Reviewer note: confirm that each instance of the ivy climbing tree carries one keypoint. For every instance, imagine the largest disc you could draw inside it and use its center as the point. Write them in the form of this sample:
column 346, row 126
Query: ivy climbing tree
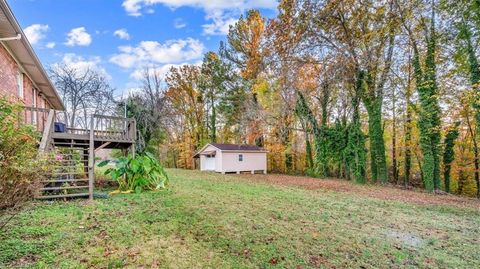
column 320, row 163
column 449, row 154
column 355, row 151
column 429, row 111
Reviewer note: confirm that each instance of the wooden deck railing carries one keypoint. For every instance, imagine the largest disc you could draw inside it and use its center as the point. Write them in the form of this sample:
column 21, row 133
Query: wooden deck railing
column 104, row 127
column 34, row 116
column 115, row 128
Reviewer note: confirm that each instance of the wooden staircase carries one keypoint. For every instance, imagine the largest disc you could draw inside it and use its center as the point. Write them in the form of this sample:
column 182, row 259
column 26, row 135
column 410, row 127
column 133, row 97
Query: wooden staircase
column 72, row 151
column 70, row 174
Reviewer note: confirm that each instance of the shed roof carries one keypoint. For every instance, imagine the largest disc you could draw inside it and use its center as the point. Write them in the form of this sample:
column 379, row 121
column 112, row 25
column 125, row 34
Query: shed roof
column 240, row 147
column 230, row 147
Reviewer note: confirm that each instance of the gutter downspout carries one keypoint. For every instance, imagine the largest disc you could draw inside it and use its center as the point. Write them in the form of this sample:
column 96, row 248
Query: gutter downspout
column 17, row 37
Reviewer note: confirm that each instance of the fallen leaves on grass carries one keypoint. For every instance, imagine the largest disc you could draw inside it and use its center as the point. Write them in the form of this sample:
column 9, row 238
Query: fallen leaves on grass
column 380, row 192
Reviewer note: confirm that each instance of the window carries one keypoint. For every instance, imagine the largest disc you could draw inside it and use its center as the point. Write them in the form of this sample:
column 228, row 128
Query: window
column 20, row 84
column 240, row 157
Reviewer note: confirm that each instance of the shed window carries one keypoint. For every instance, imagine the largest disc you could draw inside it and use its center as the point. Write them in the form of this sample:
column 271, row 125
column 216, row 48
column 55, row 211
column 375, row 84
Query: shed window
column 20, row 84
column 240, row 157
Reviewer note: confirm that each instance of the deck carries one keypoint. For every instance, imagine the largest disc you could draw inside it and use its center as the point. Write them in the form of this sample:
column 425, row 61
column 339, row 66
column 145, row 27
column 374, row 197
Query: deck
column 108, row 131
column 74, row 146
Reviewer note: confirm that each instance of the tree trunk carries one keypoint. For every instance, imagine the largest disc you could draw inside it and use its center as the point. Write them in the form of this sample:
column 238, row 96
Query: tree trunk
column 474, row 135
column 377, row 143
column 213, row 123
column 308, row 150
column 304, row 111
column 475, row 80
column 355, row 153
column 449, row 154
column 429, row 115
column 394, row 140
column 408, row 129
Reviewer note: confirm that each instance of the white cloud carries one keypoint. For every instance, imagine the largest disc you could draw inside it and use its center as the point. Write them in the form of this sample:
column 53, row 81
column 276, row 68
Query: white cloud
column 82, row 64
column 122, row 34
column 50, row 45
column 160, row 71
column 220, row 23
column 220, row 14
column 135, row 7
column 36, row 32
column 148, row 52
column 179, row 23
column 78, row 37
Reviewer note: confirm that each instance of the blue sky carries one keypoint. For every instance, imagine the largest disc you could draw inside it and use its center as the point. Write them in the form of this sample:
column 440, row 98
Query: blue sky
column 121, row 37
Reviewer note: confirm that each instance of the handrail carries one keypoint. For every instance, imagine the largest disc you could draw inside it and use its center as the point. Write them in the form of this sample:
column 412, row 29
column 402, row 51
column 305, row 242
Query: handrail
column 104, row 126
column 110, row 117
column 112, row 127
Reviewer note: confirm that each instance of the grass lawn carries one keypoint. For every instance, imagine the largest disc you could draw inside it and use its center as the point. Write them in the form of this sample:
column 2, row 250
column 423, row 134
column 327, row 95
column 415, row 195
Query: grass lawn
column 214, row 221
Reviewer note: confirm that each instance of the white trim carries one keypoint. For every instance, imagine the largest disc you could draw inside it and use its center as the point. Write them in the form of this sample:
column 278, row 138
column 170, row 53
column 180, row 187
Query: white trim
column 34, row 104
column 204, row 147
column 20, row 85
column 246, row 151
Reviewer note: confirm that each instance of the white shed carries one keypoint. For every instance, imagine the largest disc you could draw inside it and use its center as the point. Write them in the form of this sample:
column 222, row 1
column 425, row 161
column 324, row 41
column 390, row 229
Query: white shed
column 226, row 158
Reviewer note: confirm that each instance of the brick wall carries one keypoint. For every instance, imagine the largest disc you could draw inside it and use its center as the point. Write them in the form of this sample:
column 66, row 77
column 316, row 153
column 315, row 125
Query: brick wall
column 8, row 81
column 8, row 85
column 8, row 72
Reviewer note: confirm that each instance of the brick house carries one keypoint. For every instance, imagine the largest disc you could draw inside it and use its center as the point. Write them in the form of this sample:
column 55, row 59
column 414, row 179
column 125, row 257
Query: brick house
column 22, row 76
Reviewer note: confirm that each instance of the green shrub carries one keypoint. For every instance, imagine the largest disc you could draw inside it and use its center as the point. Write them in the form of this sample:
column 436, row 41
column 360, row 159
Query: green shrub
column 143, row 172
column 20, row 168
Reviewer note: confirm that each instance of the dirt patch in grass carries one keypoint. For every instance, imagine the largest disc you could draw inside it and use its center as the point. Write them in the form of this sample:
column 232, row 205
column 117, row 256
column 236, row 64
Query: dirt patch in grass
column 390, row 192
column 24, row 261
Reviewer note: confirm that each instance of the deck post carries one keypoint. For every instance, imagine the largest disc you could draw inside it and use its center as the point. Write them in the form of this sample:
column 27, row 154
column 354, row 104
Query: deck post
column 132, row 150
column 47, row 131
column 91, row 160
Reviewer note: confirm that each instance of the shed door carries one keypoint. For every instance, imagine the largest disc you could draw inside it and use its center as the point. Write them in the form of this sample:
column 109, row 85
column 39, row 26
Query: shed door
column 210, row 163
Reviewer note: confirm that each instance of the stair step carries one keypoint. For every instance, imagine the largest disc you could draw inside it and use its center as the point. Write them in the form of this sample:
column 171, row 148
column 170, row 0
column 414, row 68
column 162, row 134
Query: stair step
column 66, row 166
column 82, row 146
column 69, row 143
column 63, row 188
column 65, row 180
column 73, row 154
column 64, row 161
column 72, row 148
column 62, row 196
column 68, row 173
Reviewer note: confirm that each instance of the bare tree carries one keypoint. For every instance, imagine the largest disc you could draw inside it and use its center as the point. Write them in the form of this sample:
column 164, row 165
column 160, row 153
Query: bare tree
column 148, row 108
column 83, row 93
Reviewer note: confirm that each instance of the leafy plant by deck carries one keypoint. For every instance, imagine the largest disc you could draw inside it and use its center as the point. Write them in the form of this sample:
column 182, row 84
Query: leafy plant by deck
column 139, row 173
